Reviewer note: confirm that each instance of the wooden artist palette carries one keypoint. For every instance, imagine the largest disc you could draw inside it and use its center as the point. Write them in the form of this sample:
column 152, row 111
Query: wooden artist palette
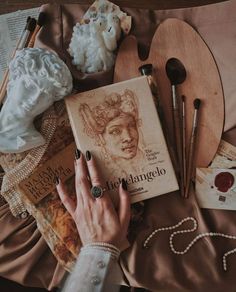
column 175, row 38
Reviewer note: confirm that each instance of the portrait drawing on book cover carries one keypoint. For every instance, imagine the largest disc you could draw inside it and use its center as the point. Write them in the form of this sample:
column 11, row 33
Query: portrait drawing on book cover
column 115, row 127
column 119, row 124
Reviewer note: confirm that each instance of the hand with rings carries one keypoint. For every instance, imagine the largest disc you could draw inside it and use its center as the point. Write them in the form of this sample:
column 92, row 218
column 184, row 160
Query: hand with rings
column 94, row 214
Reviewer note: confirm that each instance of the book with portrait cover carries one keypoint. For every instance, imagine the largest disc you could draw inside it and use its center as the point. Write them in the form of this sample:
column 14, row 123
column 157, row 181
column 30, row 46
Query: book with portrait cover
column 119, row 124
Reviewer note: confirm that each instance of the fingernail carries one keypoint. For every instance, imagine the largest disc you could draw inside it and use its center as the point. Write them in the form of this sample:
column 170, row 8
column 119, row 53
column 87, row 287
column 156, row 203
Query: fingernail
column 56, row 180
column 77, row 154
column 88, row 155
column 124, row 184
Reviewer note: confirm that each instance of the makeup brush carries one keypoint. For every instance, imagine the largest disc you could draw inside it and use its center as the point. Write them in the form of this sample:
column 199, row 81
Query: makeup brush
column 176, row 73
column 21, row 36
column 29, row 29
column 40, row 22
column 184, row 138
column 17, row 44
column 30, row 25
column 147, row 70
column 192, row 145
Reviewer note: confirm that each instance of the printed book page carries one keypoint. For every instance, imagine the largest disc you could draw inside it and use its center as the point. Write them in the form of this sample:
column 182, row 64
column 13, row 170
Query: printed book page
column 216, row 188
column 11, row 26
column 216, row 185
column 225, row 156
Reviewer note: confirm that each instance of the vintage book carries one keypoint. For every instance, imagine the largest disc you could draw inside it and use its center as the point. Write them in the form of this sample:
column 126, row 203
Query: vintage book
column 119, row 124
column 37, row 189
column 42, row 181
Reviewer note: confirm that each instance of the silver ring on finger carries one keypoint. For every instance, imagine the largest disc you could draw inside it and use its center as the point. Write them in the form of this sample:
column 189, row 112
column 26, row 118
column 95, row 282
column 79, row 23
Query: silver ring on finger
column 97, row 191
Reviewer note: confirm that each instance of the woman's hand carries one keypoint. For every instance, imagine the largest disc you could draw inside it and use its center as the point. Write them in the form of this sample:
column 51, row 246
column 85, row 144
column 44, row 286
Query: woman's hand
column 96, row 219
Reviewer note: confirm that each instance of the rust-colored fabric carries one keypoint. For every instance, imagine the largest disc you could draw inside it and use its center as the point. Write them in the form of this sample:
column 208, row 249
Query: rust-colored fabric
column 157, row 268
column 24, row 255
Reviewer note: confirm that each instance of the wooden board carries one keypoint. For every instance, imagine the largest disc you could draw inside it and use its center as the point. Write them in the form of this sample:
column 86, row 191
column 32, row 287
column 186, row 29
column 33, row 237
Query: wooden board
column 175, row 38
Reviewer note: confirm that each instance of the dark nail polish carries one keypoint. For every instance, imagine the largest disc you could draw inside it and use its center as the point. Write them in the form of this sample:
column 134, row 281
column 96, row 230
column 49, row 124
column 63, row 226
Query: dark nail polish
column 77, row 154
column 124, row 184
column 57, row 180
column 88, row 155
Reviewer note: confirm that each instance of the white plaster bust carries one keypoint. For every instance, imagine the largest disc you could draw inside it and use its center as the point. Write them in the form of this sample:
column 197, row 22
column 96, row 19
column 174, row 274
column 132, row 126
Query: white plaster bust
column 37, row 78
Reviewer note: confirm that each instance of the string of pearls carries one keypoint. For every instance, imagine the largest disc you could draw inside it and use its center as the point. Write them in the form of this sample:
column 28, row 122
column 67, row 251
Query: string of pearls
column 198, row 237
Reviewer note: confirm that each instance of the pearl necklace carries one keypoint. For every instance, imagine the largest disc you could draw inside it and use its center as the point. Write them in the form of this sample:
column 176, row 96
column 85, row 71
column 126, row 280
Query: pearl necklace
column 199, row 236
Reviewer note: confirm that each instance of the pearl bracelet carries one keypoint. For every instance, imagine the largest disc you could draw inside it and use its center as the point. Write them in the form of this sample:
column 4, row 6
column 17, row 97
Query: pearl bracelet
column 115, row 252
column 114, row 255
column 199, row 236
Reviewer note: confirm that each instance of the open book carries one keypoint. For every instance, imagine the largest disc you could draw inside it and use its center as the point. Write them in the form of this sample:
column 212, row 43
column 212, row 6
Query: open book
column 11, row 26
column 119, row 124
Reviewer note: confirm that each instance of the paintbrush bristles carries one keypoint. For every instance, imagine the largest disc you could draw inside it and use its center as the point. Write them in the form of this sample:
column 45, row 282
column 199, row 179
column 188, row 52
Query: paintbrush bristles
column 197, row 103
column 31, row 24
column 42, row 18
column 40, row 23
column 27, row 21
column 175, row 71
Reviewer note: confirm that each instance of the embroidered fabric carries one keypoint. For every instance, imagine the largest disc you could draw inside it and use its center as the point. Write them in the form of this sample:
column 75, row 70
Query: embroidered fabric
column 53, row 221
column 29, row 162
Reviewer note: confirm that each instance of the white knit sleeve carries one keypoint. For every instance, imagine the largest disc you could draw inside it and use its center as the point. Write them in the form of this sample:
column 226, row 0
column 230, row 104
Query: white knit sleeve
column 96, row 270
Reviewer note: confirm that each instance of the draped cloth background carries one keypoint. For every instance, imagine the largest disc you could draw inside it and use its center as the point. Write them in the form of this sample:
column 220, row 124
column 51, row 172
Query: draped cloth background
column 24, row 255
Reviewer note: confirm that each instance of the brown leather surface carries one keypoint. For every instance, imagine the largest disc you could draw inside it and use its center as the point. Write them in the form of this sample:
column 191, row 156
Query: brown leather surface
column 156, row 269
column 12, row 5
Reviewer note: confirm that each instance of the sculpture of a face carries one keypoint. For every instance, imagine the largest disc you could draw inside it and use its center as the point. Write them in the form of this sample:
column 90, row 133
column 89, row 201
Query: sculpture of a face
column 31, row 105
column 37, row 79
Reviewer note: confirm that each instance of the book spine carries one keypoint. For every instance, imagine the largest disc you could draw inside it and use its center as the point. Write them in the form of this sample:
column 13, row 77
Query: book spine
column 72, row 123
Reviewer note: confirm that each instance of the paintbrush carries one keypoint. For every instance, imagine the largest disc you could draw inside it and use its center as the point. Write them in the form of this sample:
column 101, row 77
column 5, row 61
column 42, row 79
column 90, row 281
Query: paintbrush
column 148, row 70
column 176, row 73
column 192, row 145
column 30, row 25
column 5, row 76
column 184, row 139
column 40, row 22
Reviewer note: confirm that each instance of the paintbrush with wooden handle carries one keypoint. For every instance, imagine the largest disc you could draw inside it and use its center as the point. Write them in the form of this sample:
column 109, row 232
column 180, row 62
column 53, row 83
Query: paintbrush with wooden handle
column 176, row 73
column 30, row 26
column 184, row 139
column 192, row 146
column 40, row 22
